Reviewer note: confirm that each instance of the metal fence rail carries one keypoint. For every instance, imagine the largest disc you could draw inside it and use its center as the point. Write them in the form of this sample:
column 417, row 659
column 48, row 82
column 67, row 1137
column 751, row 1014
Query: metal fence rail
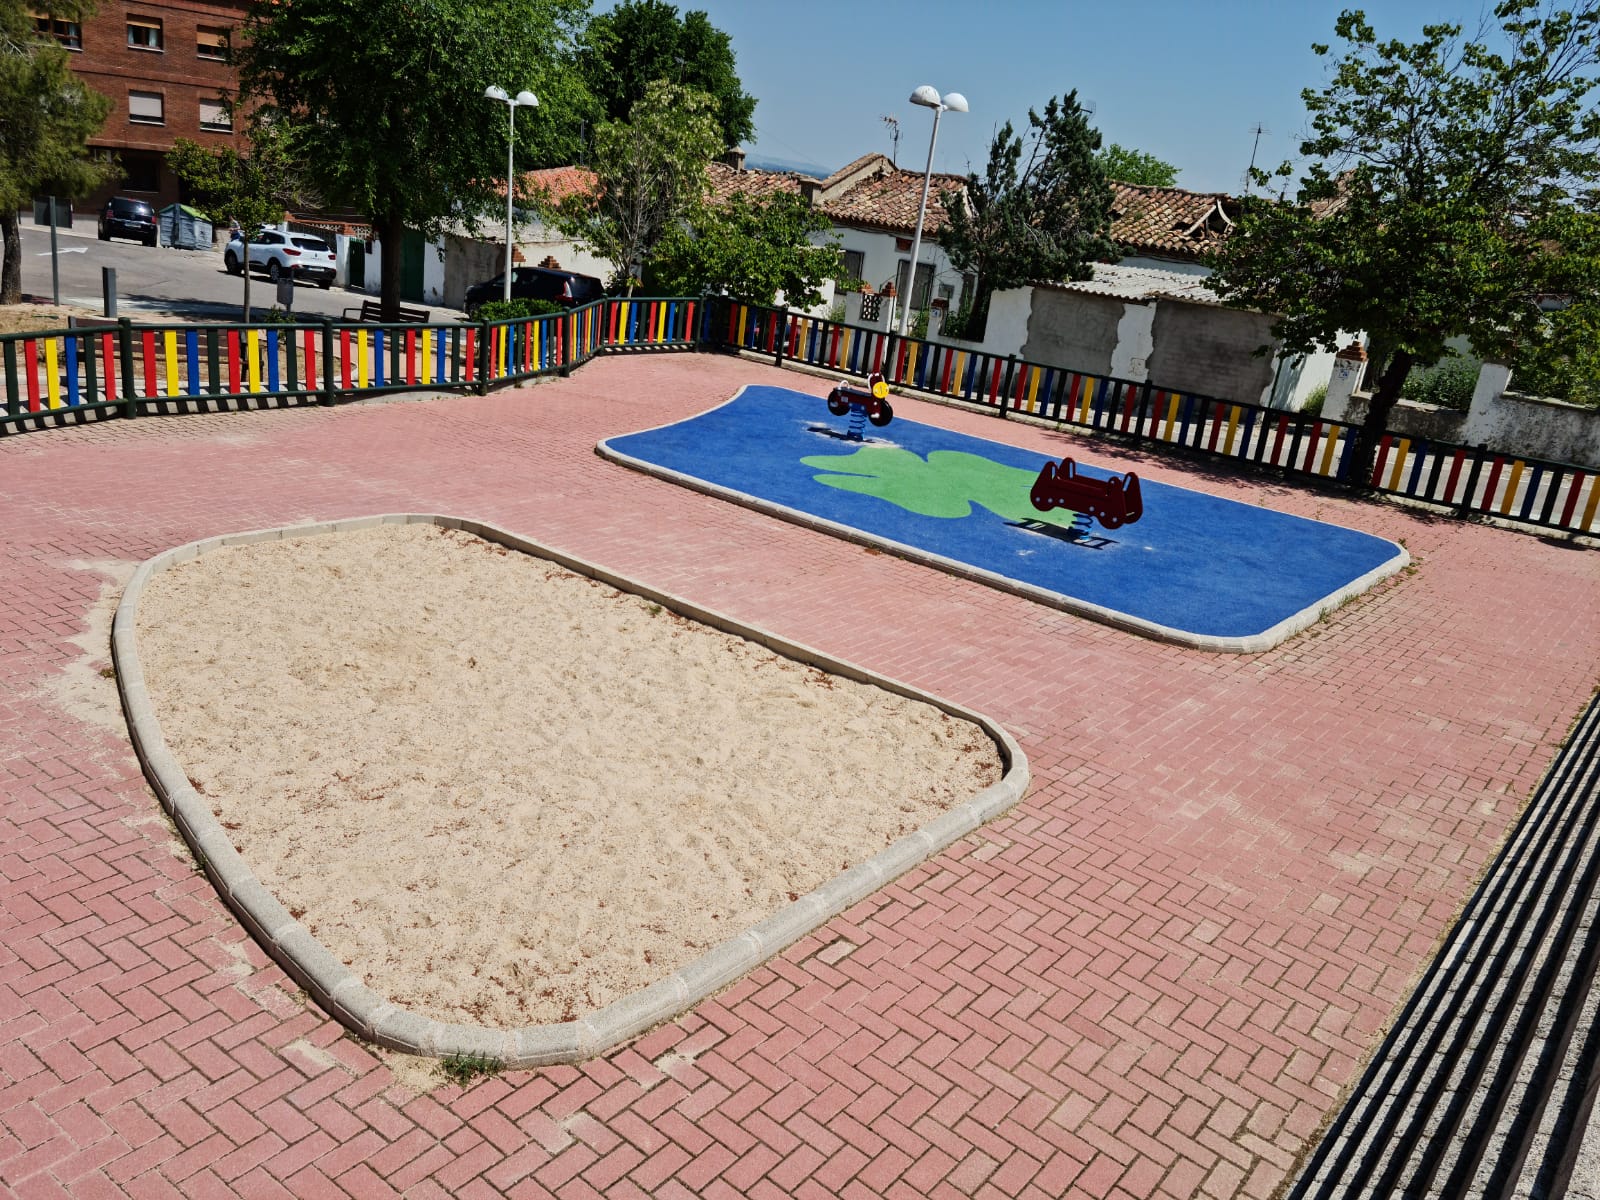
column 117, row 370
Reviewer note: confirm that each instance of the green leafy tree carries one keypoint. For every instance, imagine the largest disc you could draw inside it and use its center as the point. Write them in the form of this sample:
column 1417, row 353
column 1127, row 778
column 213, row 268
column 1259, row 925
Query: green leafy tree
column 1041, row 210
column 250, row 190
column 1122, row 165
column 46, row 119
column 382, row 101
column 641, row 41
column 751, row 249
column 652, row 175
column 1449, row 193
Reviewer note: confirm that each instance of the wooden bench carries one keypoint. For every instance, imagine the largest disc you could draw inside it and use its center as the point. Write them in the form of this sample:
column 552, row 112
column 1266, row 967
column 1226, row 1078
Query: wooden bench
column 372, row 310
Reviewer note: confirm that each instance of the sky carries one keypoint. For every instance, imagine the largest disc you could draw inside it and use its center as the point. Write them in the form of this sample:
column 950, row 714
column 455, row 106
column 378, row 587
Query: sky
column 1185, row 80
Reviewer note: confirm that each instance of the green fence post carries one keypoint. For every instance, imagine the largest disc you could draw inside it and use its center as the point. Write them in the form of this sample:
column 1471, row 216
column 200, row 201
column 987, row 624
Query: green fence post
column 1008, row 385
column 782, row 340
column 130, row 402
column 329, row 395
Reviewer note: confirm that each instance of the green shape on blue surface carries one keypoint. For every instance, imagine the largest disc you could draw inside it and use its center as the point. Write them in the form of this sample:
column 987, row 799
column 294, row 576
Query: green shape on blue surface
column 945, row 484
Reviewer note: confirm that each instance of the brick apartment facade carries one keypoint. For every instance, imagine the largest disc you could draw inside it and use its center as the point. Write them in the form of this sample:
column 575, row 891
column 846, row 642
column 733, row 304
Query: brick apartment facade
column 163, row 67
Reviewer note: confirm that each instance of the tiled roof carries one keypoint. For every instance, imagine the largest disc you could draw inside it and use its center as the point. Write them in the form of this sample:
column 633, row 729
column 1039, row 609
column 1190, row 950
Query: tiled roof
column 888, row 199
column 1170, row 221
column 555, row 184
column 727, row 182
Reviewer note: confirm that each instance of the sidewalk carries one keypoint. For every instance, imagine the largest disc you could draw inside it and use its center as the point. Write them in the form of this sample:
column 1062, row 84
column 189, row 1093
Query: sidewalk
column 1155, row 977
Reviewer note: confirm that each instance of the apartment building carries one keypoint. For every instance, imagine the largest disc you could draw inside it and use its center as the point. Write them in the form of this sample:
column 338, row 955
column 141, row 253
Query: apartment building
column 164, row 68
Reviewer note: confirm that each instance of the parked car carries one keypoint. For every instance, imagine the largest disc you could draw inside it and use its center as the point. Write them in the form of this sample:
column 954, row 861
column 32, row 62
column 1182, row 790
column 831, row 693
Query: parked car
column 302, row 255
column 125, row 217
column 566, row 288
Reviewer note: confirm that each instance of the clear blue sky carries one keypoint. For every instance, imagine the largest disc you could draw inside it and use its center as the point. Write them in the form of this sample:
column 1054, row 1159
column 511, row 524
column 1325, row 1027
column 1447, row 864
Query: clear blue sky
column 1185, row 80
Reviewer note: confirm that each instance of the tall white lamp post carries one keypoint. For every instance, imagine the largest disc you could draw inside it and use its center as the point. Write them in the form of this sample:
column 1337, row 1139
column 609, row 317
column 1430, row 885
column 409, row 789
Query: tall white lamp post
column 523, row 99
column 949, row 102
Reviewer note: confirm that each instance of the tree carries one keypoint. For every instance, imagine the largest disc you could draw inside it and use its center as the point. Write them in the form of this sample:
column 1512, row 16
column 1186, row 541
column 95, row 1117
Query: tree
column 651, row 176
column 250, row 190
column 1122, row 165
column 382, row 101
column 751, row 249
column 48, row 118
column 1042, row 209
column 1446, row 196
column 642, row 41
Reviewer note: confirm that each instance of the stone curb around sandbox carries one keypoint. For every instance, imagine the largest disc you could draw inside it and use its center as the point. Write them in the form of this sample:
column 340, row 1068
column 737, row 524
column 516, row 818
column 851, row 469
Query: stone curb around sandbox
column 1254, row 643
column 345, row 998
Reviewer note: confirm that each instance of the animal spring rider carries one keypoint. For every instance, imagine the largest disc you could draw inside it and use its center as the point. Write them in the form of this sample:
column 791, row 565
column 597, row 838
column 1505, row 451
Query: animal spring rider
column 1114, row 501
column 871, row 405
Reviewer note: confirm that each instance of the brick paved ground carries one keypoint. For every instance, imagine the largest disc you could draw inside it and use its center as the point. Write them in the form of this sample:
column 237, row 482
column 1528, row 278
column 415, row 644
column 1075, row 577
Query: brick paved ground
column 1153, row 978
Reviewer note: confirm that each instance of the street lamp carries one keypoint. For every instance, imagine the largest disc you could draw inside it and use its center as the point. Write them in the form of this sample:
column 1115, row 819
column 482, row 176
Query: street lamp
column 949, row 102
column 523, row 99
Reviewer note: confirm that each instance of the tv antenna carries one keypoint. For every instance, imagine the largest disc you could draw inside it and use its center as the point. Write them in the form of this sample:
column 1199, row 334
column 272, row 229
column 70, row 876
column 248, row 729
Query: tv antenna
column 1258, row 130
column 894, row 132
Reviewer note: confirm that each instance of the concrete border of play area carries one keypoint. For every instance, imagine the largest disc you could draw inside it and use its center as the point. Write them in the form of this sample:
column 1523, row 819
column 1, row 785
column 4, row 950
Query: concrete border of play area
column 336, row 988
column 1251, row 644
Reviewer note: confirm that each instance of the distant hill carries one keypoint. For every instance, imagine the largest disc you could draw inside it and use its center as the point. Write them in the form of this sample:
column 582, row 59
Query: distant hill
column 757, row 163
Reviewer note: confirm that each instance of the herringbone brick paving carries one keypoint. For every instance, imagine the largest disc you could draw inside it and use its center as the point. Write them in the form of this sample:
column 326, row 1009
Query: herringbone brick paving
column 1152, row 978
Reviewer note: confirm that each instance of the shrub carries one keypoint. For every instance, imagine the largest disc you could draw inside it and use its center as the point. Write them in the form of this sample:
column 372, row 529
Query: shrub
column 1314, row 402
column 1450, row 384
column 515, row 309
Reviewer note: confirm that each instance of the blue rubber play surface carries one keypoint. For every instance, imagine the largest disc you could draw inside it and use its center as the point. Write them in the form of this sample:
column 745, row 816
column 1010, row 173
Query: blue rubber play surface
column 1195, row 568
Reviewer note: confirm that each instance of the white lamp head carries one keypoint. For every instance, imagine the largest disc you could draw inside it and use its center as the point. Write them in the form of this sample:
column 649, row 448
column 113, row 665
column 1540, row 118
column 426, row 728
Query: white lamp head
column 926, row 97
column 527, row 99
column 955, row 102
column 494, row 92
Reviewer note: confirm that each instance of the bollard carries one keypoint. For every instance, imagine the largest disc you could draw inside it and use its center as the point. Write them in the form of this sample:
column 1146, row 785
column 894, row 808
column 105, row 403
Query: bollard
column 108, row 290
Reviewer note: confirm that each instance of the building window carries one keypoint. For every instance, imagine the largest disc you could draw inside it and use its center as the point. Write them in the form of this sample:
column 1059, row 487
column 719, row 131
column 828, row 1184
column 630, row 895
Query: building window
column 146, row 108
column 68, row 33
column 214, row 115
column 144, row 33
column 212, row 42
column 141, row 171
column 855, row 264
column 919, row 298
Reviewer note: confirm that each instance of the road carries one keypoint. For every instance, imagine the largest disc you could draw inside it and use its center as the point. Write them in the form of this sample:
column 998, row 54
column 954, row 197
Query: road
column 162, row 283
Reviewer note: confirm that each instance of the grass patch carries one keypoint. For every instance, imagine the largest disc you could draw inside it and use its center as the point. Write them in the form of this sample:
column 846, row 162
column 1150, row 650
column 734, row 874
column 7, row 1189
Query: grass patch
column 464, row 1070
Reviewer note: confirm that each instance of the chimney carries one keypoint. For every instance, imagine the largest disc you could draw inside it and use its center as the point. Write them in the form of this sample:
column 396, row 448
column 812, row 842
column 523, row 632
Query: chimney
column 734, row 157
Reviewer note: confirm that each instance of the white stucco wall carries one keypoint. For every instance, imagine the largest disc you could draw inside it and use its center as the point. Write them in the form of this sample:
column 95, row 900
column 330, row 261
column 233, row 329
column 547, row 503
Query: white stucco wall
column 881, row 261
column 1529, row 426
column 1007, row 330
column 1135, row 342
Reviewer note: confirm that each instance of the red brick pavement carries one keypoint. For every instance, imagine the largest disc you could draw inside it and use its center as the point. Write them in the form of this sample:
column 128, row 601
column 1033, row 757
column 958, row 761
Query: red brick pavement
column 1153, row 978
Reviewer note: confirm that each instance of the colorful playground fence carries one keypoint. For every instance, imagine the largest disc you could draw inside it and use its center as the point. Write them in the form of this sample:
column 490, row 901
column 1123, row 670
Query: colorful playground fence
column 1468, row 479
column 117, row 368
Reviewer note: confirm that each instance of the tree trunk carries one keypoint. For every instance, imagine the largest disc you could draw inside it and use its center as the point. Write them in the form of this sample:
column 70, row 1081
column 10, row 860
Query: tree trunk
column 392, row 234
column 11, row 272
column 1372, row 429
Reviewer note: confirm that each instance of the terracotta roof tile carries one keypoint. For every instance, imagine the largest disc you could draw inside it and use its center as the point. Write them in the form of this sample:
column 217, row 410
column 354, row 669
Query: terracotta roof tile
column 1170, row 221
column 727, row 182
column 555, row 184
column 889, row 199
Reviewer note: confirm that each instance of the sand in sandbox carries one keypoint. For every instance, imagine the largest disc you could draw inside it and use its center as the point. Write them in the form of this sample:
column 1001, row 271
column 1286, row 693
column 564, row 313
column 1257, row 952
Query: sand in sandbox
column 505, row 794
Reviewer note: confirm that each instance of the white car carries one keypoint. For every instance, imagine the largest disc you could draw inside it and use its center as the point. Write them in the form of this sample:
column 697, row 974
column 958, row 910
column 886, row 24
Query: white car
column 302, row 255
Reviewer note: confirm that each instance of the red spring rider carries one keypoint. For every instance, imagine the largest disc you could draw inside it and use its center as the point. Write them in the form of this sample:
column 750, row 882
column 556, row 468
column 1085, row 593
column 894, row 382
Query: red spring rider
column 871, row 405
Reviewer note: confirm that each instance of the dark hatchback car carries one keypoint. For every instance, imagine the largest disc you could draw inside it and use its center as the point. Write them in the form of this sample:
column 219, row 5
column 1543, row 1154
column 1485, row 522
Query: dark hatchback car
column 566, row 288
column 125, row 218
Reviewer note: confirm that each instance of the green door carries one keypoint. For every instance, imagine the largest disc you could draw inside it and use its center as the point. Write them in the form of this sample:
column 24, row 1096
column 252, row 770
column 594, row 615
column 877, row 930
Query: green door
column 412, row 249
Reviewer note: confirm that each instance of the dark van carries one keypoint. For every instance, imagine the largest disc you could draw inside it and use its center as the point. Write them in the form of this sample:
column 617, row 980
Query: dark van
column 566, row 288
column 126, row 218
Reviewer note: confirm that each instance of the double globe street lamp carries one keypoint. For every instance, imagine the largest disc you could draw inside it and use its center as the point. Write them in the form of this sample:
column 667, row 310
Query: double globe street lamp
column 949, row 102
column 526, row 99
